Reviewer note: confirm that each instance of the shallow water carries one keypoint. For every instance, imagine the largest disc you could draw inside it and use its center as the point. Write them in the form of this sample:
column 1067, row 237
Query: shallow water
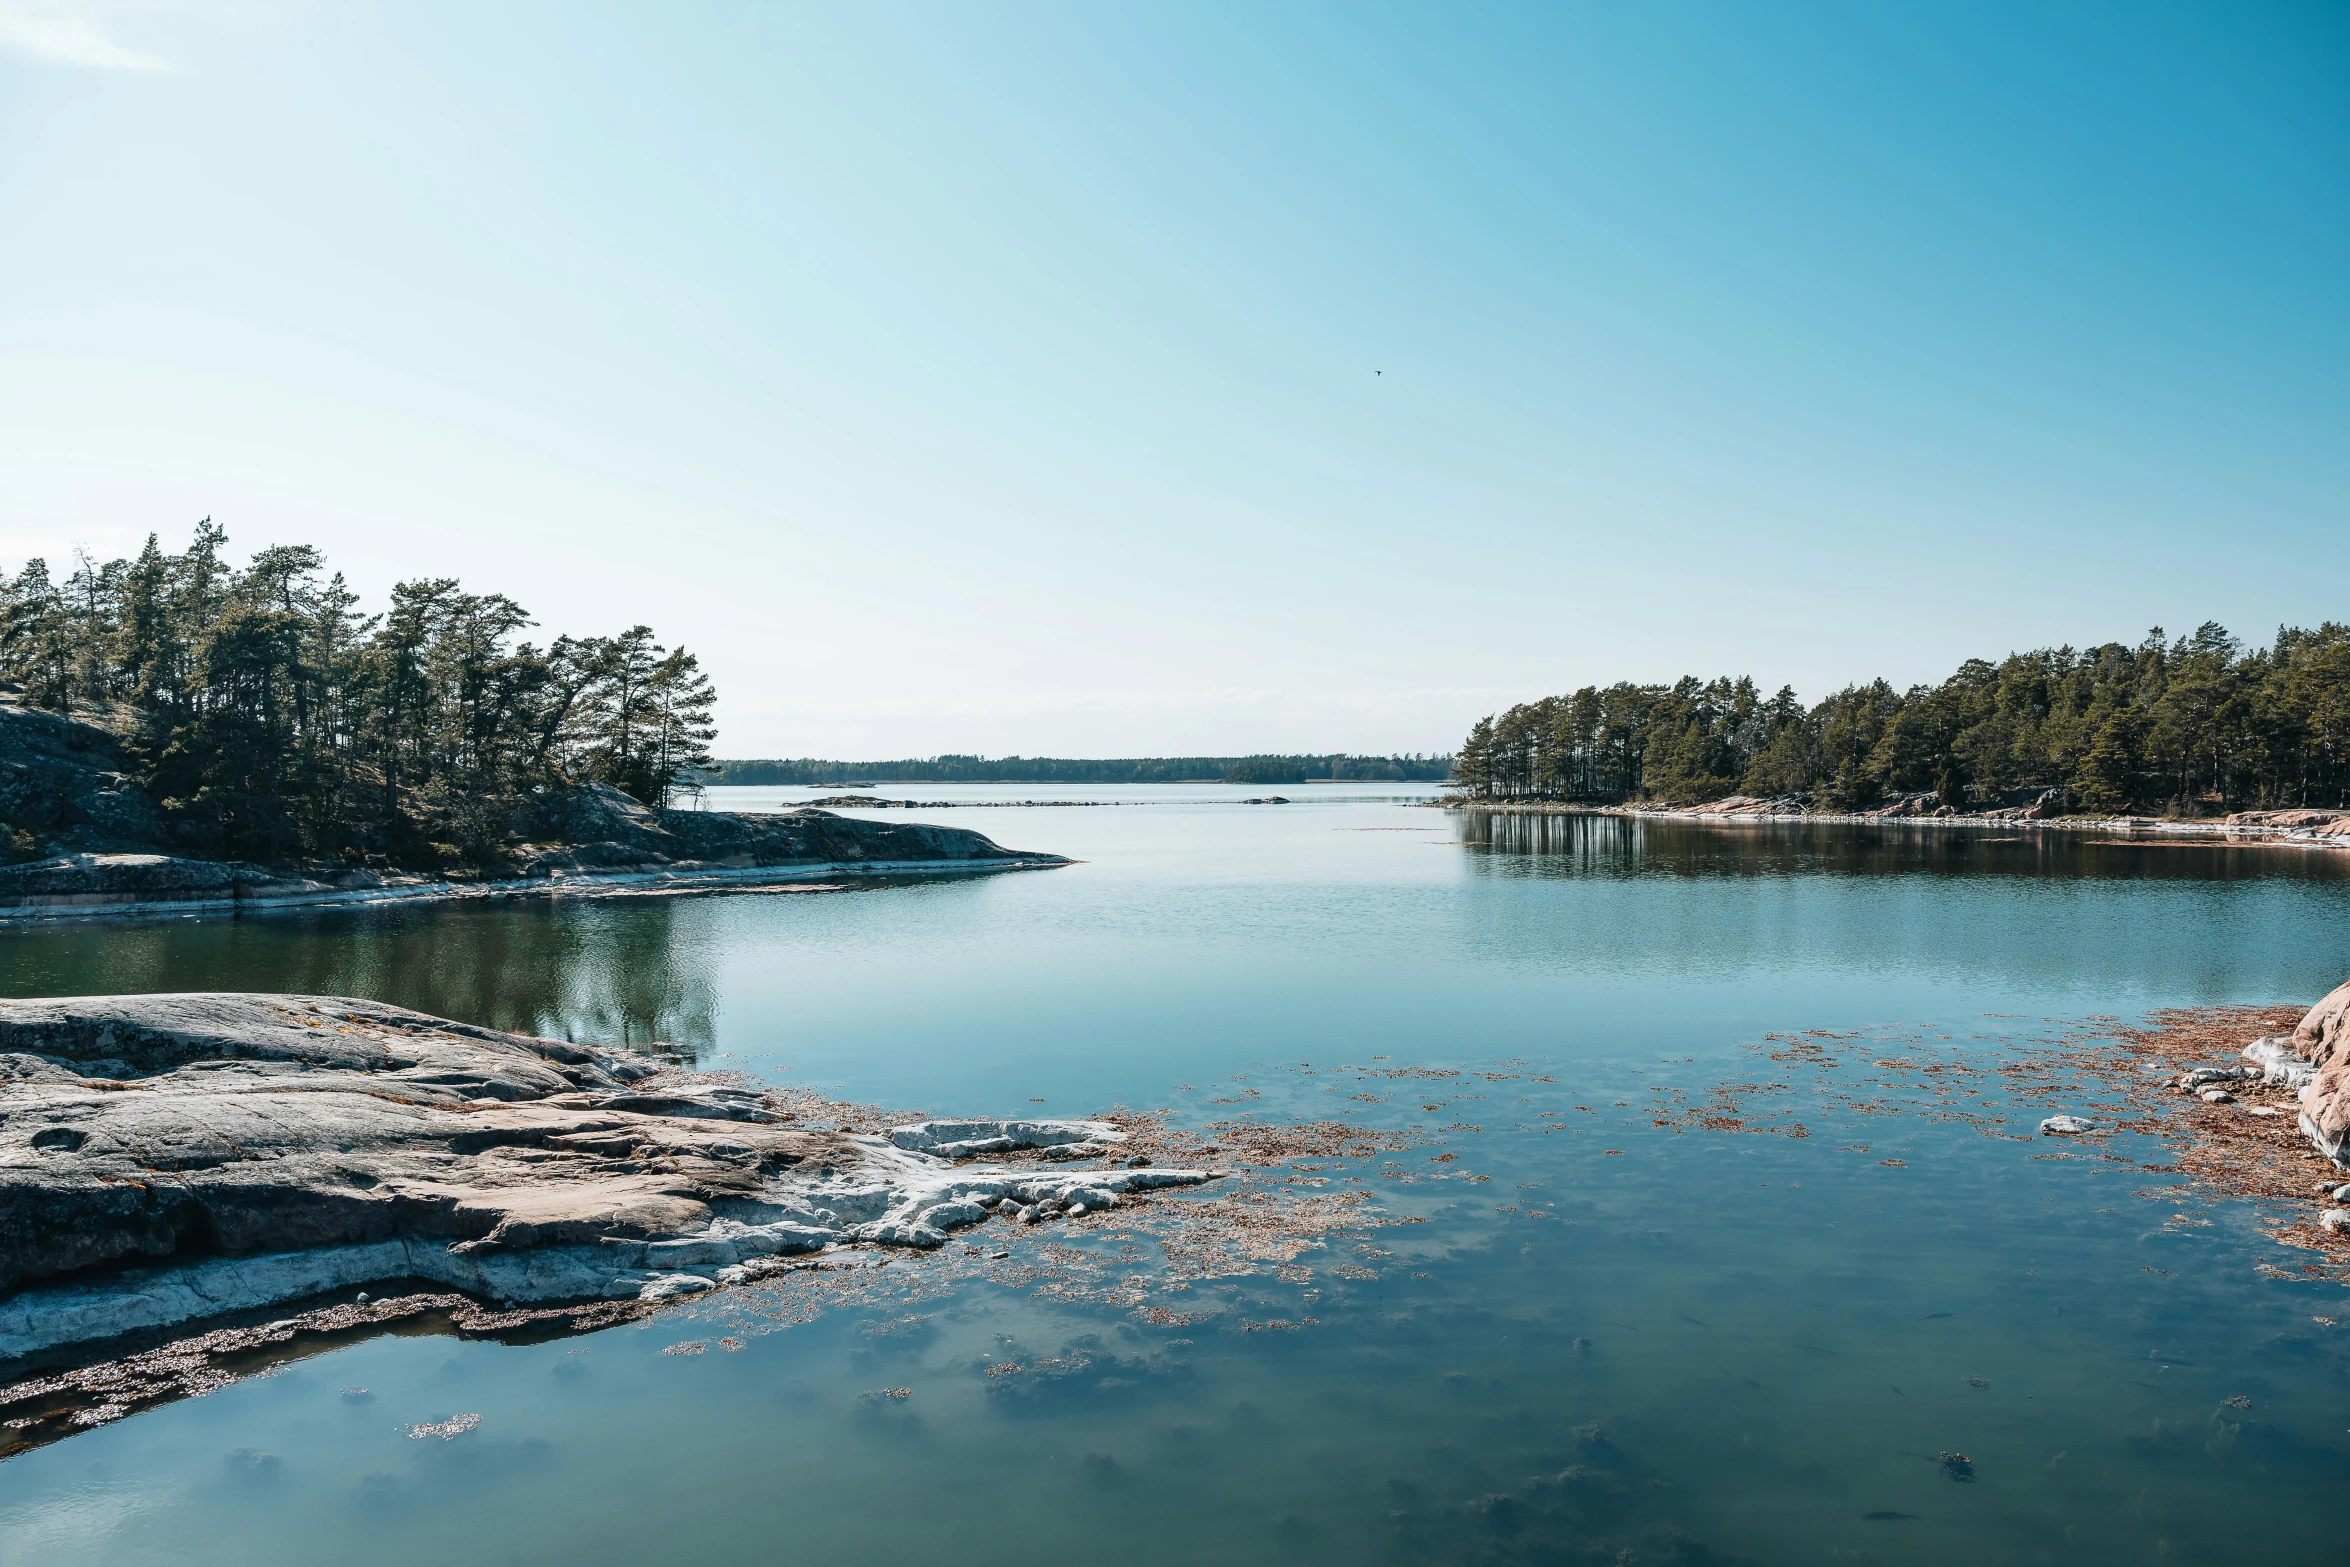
column 1701, row 1345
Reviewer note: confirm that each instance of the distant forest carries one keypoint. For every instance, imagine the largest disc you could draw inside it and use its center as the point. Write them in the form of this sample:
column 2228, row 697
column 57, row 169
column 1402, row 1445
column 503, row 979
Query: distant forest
column 1054, row 769
column 2189, row 726
column 273, row 720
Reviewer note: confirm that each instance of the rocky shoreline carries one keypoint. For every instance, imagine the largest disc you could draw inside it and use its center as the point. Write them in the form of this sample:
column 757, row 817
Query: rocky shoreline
column 132, row 886
column 89, row 843
column 169, row 1159
column 2317, row 829
column 2268, row 1119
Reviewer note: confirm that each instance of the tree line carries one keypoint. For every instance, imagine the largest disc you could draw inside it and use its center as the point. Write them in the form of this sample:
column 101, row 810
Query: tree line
column 1052, row 769
column 2189, row 726
column 272, row 719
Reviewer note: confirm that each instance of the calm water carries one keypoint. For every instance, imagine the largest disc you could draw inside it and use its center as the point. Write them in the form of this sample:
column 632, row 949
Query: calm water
column 1694, row 1345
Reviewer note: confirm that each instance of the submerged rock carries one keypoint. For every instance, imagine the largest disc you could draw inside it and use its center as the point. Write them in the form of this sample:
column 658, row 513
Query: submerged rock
column 165, row 1158
column 966, row 1139
column 2066, row 1126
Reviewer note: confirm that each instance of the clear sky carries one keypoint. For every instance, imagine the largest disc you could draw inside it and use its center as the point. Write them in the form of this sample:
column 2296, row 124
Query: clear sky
column 1113, row 379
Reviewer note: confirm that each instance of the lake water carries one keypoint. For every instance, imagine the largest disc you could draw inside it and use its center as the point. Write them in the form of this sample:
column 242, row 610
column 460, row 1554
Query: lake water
column 1634, row 1333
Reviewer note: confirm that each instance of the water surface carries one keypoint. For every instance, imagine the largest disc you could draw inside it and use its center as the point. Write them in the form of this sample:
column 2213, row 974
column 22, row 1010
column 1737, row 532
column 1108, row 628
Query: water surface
column 1691, row 1344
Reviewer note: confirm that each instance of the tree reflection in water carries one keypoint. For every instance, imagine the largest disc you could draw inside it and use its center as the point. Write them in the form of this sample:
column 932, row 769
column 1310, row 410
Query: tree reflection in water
column 1594, row 843
column 621, row 972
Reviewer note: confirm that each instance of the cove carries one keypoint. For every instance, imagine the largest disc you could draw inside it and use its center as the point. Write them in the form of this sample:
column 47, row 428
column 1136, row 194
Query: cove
column 1633, row 1333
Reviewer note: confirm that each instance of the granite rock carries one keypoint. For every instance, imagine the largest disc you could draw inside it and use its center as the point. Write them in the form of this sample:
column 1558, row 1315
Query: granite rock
column 61, row 781
column 171, row 1156
column 81, row 838
column 2322, row 1039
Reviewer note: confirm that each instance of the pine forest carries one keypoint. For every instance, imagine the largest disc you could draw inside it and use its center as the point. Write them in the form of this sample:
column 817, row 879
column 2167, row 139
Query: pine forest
column 275, row 720
column 2191, row 726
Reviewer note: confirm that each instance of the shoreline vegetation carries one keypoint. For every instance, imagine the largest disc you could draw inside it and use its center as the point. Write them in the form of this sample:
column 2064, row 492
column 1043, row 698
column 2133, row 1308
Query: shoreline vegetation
column 2195, row 729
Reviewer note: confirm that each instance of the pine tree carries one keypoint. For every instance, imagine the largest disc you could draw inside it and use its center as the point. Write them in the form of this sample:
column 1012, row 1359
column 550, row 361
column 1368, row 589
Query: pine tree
column 681, row 703
column 273, row 719
column 1473, row 766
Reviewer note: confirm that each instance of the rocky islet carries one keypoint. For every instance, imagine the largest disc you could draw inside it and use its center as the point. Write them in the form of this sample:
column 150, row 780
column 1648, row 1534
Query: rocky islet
column 87, row 841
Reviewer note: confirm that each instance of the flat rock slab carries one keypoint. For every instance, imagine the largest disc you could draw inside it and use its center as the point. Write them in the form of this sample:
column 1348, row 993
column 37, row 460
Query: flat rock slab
column 165, row 1158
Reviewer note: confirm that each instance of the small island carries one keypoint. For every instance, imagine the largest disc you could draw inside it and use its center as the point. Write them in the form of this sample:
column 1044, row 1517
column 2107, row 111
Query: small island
column 177, row 733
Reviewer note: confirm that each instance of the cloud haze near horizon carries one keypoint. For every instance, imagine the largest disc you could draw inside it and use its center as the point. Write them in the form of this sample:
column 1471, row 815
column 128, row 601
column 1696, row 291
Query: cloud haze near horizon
column 1106, row 381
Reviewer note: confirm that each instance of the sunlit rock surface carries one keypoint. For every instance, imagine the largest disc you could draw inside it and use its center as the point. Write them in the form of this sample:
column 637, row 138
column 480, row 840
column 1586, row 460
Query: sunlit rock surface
column 164, row 1158
column 2323, row 1040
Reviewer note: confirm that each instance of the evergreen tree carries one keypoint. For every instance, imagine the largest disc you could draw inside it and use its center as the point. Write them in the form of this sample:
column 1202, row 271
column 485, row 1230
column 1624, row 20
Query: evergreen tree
column 273, row 720
column 682, row 731
column 2195, row 724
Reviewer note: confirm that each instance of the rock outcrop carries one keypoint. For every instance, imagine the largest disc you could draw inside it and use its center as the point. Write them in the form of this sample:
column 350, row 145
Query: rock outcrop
column 2324, row 824
column 164, row 1158
column 2029, row 803
column 599, row 828
column 2322, row 1039
column 1750, row 805
column 62, row 785
column 99, row 880
column 85, row 839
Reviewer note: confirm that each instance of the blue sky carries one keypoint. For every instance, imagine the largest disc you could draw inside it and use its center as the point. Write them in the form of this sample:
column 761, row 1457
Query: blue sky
column 1104, row 380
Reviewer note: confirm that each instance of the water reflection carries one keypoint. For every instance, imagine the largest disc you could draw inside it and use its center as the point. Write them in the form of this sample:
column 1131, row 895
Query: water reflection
column 1785, row 1330
column 2005, row 914
column 627, row 972
column 1593, row 844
